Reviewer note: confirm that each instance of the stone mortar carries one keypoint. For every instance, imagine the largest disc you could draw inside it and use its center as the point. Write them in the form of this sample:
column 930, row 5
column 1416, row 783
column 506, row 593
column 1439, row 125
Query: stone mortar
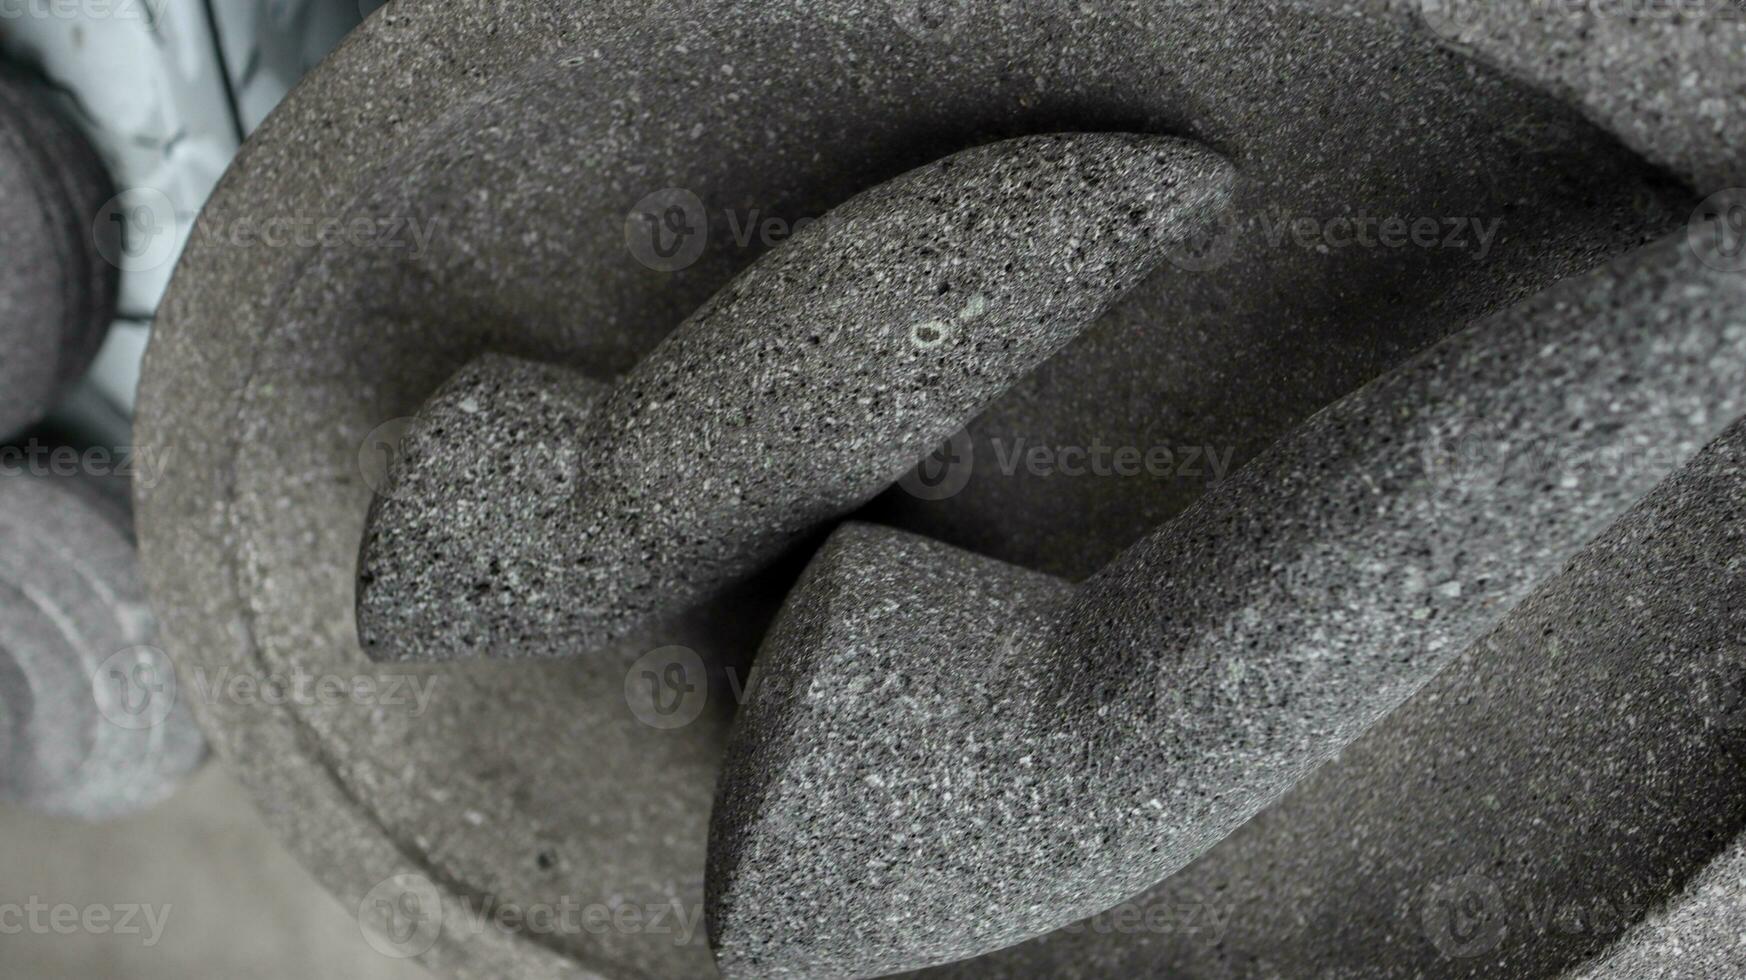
column 521, row 134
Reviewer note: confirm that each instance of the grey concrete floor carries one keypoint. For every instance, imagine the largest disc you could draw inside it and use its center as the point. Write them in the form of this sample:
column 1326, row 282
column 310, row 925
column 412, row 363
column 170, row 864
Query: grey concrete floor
column 197, row 888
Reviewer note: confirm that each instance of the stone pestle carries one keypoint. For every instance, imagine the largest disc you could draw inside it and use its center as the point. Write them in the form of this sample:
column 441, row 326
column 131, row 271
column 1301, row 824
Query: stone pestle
column 534, row 512
column 941, row 755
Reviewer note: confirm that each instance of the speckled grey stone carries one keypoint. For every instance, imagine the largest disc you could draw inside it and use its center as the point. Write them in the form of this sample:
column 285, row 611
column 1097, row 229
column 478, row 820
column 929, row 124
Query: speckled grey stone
column 1574, row 770
column 1666, row 75
column 57, row 294
column 1696, row 934
column 93, row 725
column 524, row 132
column 799, row 392
column 1212, row 665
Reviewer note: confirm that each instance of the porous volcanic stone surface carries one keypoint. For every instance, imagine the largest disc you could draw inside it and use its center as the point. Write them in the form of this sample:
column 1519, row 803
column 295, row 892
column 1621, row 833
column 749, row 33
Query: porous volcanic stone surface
column 1211, row 666
column 57, row 292
column 94, row 727
column 1666, row 75
column 1567, row 788
column 799, row 392
column 1696, row 935
column 518, row 136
